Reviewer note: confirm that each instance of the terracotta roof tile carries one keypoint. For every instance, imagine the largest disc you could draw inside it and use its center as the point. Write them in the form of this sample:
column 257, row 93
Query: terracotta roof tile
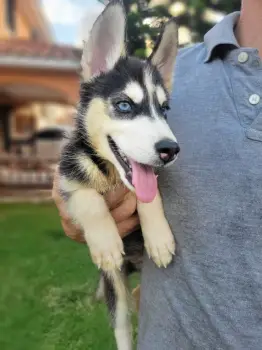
column 26, row 48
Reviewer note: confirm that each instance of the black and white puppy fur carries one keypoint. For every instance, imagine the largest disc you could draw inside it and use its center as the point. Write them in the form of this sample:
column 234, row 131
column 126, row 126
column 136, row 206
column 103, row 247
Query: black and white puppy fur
column 121, row 133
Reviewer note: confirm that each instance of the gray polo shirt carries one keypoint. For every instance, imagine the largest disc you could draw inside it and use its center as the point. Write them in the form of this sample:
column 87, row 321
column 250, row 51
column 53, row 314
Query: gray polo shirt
column 210, row 297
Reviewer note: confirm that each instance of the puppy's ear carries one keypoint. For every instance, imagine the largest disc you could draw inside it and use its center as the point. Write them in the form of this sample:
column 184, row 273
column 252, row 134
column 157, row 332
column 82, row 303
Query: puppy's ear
column 165, row 52
column 106, row 42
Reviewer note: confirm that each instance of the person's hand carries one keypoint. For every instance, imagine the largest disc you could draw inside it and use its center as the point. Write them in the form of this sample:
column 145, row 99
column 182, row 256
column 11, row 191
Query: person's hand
column 121, row 203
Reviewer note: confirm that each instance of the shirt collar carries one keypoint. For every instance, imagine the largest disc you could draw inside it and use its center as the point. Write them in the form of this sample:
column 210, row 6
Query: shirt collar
column 221, row 34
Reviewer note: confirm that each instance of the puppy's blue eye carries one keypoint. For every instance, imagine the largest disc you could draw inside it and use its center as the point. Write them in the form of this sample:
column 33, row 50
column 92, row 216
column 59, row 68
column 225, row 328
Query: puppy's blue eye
column 124, row 106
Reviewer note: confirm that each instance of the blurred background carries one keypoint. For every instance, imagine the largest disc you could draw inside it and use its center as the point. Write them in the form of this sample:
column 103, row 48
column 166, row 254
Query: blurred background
column 47, row 282
column 40, row 49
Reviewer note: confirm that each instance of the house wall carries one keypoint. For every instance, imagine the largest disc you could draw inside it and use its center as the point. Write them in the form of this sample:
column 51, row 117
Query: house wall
column 27, row 19
column 63, row 84
column 62, row 87
column 20, row 86
column 22, row 26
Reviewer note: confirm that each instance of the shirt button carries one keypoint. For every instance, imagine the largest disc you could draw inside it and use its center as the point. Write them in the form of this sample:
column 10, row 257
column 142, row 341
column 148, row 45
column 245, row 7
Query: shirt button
column 254, row 99
column 242, row 57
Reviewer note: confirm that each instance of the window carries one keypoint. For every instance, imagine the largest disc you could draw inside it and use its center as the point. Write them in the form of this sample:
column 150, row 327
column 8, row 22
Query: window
column 35, row 35
column 24, row 124
column 10, row 14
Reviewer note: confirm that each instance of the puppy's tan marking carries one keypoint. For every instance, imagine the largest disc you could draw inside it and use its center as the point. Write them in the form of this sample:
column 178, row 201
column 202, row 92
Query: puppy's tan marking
column 97, row 180
column 97, row 121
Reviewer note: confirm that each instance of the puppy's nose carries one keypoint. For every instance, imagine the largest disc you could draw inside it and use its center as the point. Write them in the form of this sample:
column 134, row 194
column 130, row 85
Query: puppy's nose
column 167, row 150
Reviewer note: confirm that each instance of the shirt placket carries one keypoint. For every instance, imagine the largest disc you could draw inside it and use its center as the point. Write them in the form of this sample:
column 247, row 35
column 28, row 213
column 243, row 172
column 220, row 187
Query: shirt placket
column 246, row 79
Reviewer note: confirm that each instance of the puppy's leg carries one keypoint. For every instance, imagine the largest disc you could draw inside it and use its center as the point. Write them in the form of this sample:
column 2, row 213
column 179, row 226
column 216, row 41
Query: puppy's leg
column 89, row 209
column 117, row 299
column 136, row 296
column 159, row 240
column 100, row 291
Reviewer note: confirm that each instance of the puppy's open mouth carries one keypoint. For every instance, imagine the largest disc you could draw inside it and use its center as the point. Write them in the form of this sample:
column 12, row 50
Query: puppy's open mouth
column 140, row 176
column 121, row 158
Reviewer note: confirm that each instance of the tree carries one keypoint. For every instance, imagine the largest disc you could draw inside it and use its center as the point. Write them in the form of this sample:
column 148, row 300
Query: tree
column 194, row 17
column 138, row 29
column 141, row 16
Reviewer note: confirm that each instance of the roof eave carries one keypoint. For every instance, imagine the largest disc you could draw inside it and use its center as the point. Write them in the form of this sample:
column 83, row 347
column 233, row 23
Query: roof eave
column 39, row 63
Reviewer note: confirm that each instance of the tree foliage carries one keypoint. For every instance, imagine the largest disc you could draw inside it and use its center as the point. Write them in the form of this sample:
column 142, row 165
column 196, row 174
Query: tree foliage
column 193, row 18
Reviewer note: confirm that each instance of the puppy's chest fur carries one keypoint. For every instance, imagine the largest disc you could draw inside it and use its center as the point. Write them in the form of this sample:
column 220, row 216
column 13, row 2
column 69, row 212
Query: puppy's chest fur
column 82, row 166
column 102, row 183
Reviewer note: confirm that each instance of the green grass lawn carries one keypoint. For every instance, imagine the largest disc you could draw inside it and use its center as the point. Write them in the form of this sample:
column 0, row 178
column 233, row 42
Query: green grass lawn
column 47, row 285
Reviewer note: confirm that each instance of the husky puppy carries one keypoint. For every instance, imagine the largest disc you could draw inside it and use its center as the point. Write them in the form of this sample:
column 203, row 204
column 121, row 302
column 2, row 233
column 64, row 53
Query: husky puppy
column 121, row 136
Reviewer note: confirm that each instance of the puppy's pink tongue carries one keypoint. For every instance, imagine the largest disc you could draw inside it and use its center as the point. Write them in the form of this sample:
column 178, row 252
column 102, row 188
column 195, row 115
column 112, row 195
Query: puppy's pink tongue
column 145, row 182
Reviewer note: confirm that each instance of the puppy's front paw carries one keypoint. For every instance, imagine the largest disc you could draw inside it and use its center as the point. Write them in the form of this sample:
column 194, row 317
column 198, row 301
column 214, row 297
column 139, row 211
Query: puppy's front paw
column 107, row 253
column 161, row 247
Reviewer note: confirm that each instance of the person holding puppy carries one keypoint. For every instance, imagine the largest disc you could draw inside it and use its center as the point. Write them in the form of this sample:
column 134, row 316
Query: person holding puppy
column 210, row 296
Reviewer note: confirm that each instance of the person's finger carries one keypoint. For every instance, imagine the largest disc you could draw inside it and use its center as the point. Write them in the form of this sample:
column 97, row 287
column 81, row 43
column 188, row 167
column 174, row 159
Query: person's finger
column 115, row 197
column 72, row 231
column 126, row 209
column 63, row 213
column 58, row 199
column 55, row 179
column 56, row 196
column 127, row 226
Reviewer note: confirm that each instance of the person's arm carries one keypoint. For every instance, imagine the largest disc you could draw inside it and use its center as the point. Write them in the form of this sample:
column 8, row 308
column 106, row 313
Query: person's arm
column 122, row 205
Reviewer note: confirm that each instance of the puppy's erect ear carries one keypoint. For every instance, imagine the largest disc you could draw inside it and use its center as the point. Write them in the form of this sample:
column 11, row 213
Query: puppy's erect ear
column 165, row 51
column 106, row 42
